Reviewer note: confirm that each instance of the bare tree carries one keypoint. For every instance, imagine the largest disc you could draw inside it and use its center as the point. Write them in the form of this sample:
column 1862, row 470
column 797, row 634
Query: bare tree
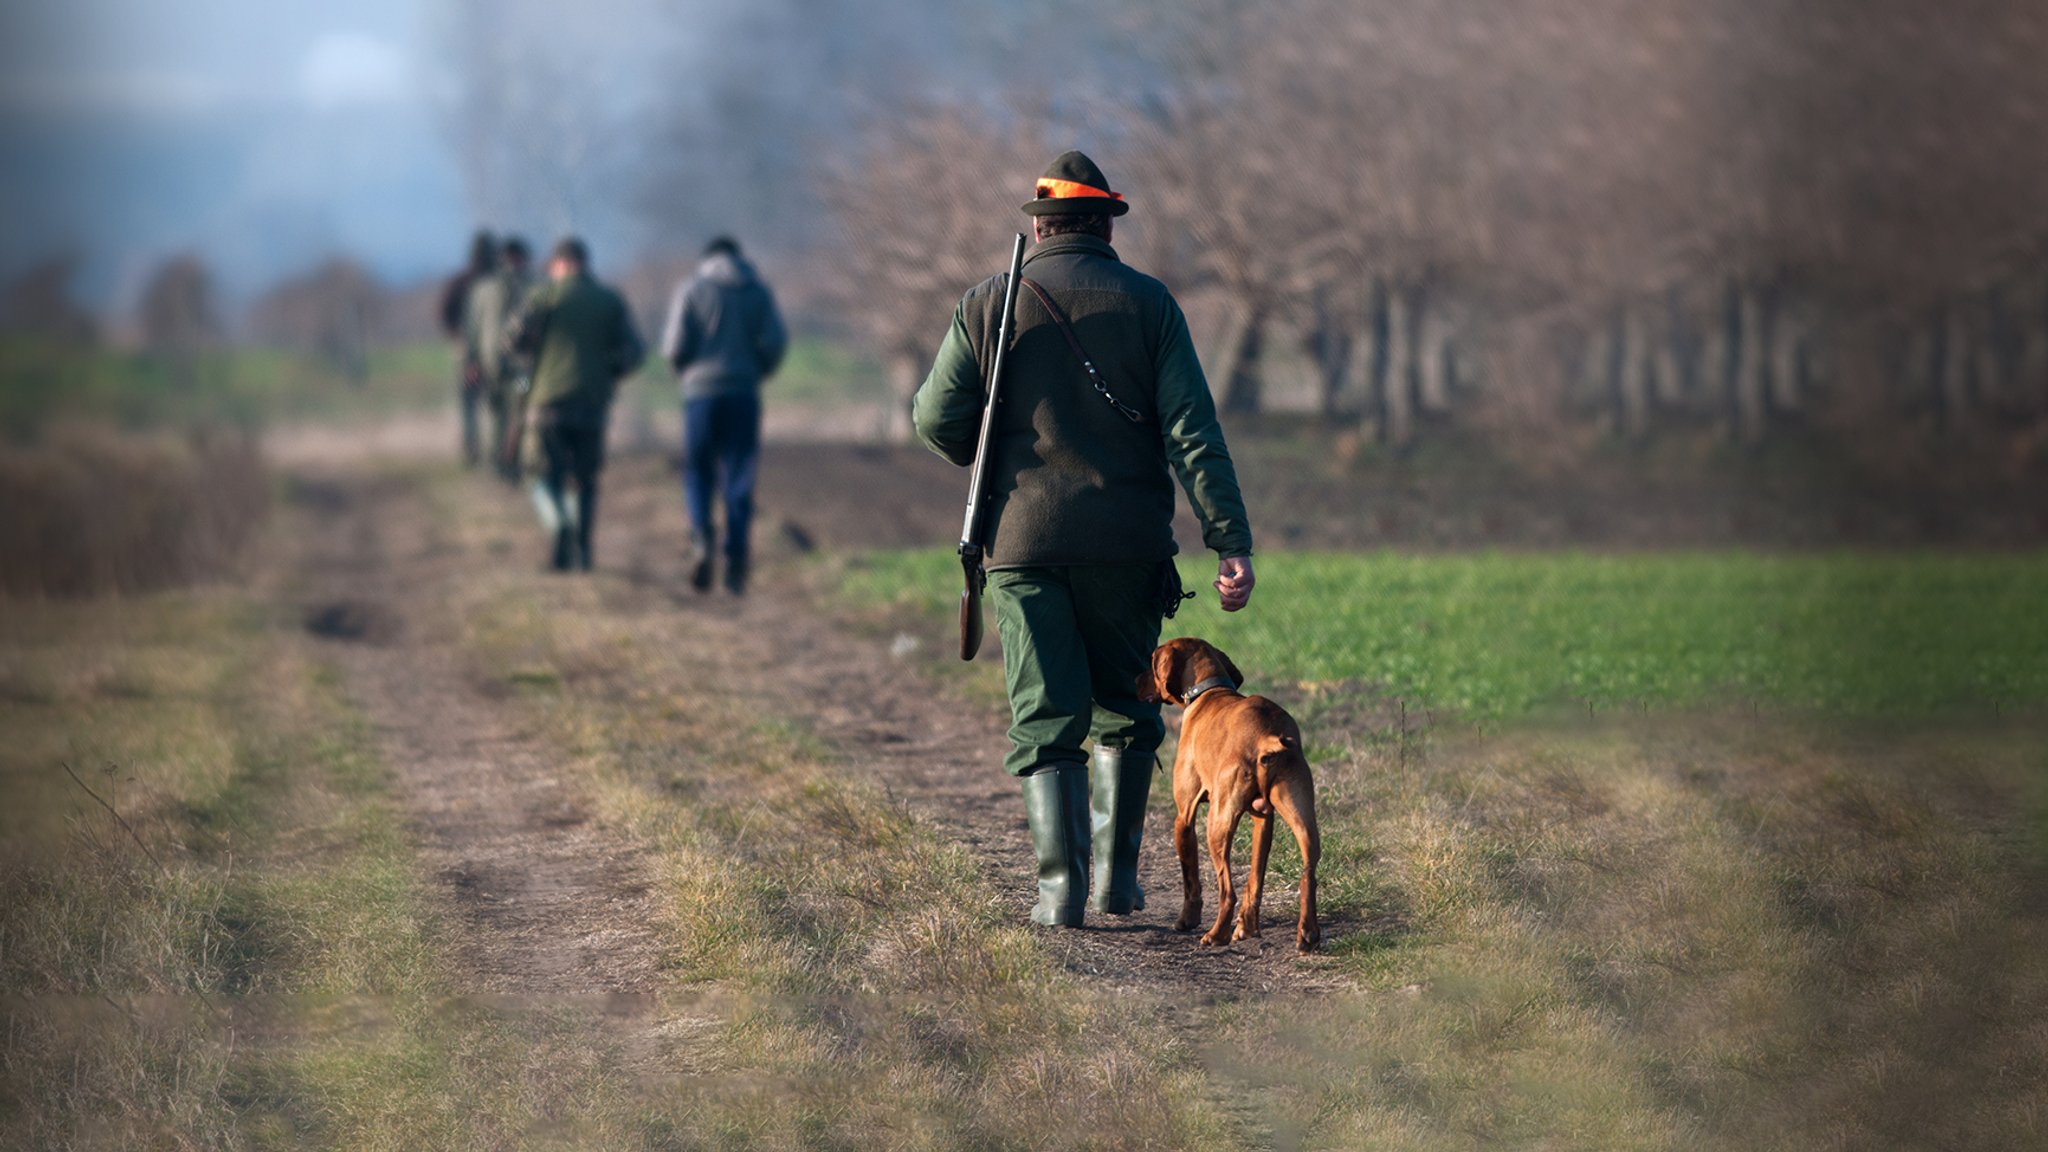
column 39, row 303
column 925, row 207
column 331, row 314
column 178, row 316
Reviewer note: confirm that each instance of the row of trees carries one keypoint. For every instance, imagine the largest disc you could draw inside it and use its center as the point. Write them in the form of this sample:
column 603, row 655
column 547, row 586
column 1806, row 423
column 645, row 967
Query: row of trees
column 1542, row 220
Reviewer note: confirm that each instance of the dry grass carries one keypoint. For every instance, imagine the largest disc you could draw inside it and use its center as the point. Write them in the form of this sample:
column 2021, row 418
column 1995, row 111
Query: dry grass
column 877, row 996
column 1689, row 932
column 246, row 955
column 86, row 512
column 1650, row 930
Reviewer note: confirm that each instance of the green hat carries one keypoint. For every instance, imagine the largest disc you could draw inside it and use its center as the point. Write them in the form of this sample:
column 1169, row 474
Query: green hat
column 1075, row 185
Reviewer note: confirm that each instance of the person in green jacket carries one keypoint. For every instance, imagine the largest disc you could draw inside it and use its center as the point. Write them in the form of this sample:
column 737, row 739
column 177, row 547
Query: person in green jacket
column 487, row 316
column 1080, row 551
column 582, row 339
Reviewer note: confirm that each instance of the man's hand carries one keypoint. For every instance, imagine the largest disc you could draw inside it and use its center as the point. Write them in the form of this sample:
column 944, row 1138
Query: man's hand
column 1234, row 582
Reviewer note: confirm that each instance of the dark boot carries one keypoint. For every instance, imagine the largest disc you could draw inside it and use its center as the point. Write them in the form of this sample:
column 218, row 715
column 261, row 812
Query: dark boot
column 700, row 564
column 736, row 575
column 586, row 520
column 565, row 548
column 1056, row 804
column 1121, row 784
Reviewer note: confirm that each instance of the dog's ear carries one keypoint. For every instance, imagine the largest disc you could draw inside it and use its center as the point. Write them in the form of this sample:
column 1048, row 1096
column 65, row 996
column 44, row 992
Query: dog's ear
column 1157, row 684
column 1230, row 669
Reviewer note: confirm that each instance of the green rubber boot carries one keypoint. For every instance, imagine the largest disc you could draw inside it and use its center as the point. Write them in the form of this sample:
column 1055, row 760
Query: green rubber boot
column 1121, row 784
column 1056, row 804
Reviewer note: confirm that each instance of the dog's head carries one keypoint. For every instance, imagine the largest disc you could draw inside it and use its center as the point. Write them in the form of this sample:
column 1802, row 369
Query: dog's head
column 1179, row 665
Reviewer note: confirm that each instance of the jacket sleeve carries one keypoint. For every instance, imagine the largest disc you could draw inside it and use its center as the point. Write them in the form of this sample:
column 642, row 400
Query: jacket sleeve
column 1194, row 440
column 672, row 327
column 530, row 322
column 946, row 412
column 773, row 339
column 631, row 349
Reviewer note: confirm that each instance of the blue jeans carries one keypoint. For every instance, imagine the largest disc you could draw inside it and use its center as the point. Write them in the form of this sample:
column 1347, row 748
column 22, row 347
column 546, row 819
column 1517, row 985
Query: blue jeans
column 721, row 445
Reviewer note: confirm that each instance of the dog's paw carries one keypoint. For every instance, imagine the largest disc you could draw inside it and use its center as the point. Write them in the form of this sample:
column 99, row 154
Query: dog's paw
column 1188, row 919
column 1213, row 939
column 1307, row 939
column 1242, row 932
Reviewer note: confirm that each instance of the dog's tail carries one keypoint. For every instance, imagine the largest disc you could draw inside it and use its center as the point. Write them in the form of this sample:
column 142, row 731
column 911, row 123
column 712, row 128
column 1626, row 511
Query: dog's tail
column 1272, row 748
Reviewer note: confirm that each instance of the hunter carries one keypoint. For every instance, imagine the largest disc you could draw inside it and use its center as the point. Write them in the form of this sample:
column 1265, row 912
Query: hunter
column 487, row 316
column 582, row 340
column 723, row 338
column 483, row 258
column 1081, row 546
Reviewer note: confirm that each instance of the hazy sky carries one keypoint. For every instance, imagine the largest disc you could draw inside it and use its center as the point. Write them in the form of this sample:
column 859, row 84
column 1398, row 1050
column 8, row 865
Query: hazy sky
column 264, row 133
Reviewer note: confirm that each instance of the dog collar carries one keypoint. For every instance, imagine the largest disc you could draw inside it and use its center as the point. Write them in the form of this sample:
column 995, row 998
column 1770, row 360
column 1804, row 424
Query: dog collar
column 1211, row 683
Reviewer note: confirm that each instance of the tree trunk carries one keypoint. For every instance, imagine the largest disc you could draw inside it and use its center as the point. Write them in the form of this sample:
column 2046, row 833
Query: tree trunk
column 1716, row 359
column 1329, row 344
column 1669, row 381
column 1239, row 369
column 1631, row 386
column 1751, row 364
column 1989, row 356
column 1397, row 376
column 906, row 372
column 1952, row 366
column 2032, row 356
column 1788, row 363
column 1433, row 354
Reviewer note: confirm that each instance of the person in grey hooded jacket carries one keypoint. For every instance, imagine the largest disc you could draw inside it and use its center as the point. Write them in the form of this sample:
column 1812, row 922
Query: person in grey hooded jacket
column 723, row 337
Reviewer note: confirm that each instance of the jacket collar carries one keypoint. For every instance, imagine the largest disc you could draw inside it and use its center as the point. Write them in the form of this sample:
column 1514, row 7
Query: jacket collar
column 1072, row 243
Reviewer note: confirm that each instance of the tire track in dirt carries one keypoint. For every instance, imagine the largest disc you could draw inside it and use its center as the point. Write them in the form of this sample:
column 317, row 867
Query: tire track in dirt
column 552, row 907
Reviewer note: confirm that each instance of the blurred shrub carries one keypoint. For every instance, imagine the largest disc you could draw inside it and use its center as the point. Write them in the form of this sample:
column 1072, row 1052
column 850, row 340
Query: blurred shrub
column 89, row 512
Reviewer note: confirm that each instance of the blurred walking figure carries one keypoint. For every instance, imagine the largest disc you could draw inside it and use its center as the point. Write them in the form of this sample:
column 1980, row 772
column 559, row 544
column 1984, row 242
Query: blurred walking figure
column 469, row 385
column 582, row 340
column 723, row 337
column 487, row 318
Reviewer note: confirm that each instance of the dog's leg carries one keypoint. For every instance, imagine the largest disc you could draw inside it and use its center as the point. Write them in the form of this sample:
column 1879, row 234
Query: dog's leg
column 1294, row 800
column 1187, row 793
column 1255, row 879
column 1190, row 870
column 1224, row 813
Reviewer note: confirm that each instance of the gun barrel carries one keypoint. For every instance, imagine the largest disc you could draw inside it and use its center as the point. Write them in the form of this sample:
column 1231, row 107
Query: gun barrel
column 970, row 527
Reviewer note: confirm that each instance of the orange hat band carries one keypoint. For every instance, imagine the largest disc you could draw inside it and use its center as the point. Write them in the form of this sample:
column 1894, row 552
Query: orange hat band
column 1051, row 189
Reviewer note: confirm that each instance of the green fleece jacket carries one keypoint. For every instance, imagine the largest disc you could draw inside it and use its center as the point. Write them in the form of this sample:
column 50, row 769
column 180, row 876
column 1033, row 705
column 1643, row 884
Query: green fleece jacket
column 582, row 339
column 1073, row 480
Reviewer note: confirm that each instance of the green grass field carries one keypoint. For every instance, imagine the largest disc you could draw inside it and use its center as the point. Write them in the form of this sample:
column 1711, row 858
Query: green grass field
column 1490, row 636
column 1669, row 923
column 41, row 384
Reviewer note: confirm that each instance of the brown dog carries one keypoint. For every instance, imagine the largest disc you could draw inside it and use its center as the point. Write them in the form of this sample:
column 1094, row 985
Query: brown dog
column 1243, row 754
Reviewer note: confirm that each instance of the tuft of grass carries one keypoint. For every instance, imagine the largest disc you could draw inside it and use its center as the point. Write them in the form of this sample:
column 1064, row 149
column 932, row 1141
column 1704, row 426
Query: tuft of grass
column 1500, row 635
column 87, row 512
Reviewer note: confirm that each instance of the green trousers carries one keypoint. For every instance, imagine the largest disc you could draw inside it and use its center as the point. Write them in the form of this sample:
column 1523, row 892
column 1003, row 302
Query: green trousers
column 1075, row 641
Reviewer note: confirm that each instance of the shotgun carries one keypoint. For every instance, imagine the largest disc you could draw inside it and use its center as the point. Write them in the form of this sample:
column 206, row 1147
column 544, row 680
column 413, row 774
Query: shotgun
column 972, row 570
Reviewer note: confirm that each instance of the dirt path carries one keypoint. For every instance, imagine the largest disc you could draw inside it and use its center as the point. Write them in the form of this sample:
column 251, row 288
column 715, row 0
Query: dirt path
column 552, row 904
